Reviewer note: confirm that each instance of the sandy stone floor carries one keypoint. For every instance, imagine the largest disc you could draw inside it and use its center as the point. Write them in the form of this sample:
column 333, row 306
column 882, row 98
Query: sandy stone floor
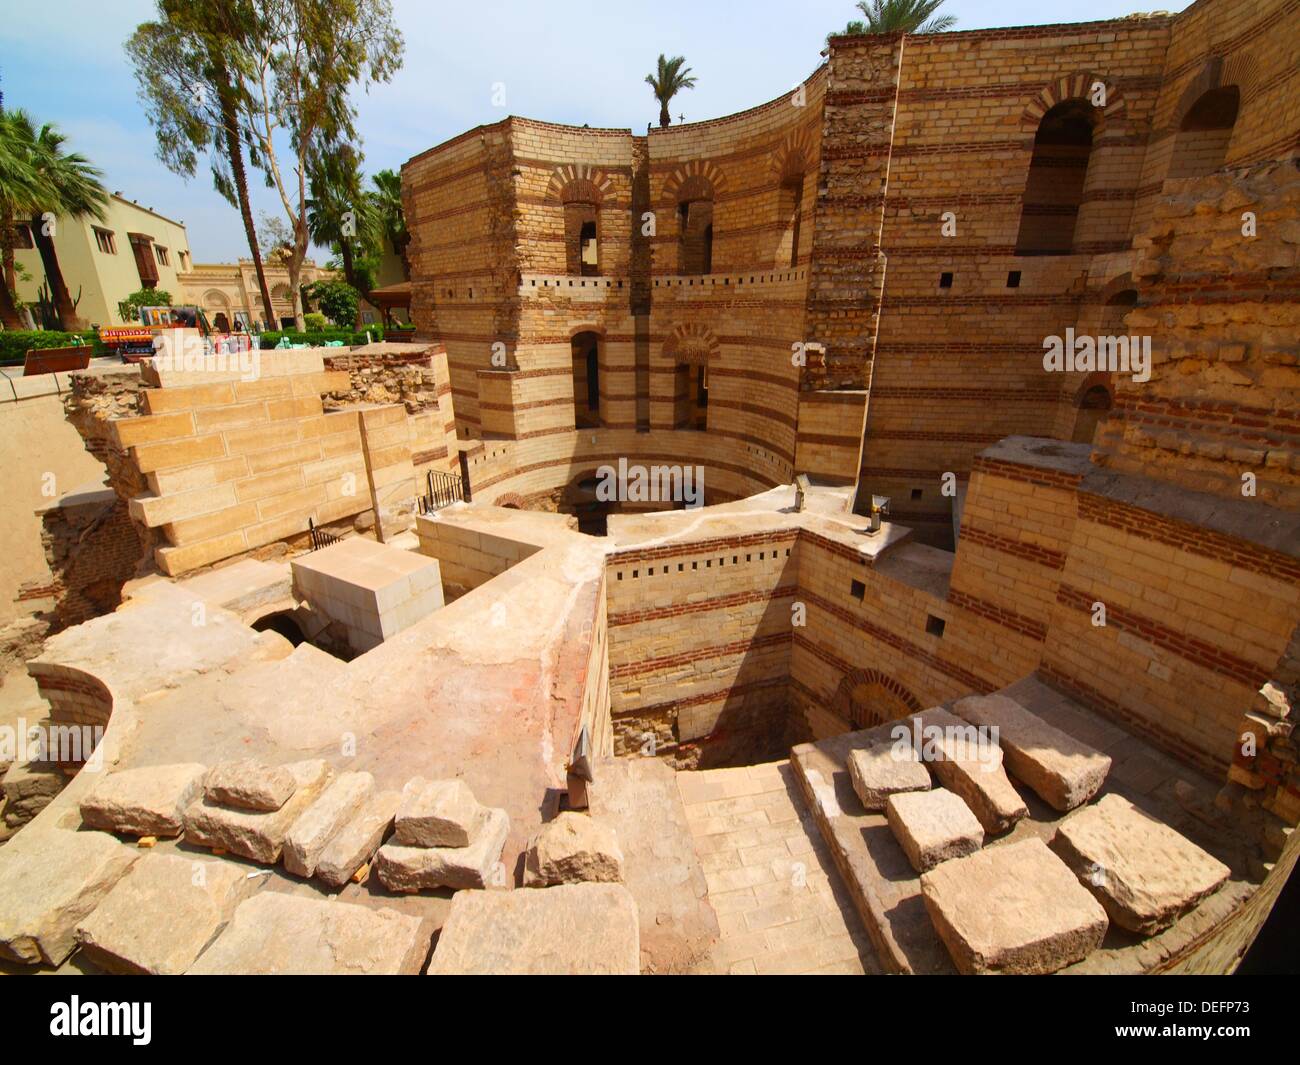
column 780, row 905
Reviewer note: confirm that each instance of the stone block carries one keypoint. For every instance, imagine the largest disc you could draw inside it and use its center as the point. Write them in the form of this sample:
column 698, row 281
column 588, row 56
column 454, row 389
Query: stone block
column 256, row 834
column 48, row 884
column 158, row 917
column 972, row 768
column 273, row 934
column 1063, row 771
column 312, row 832
column 356, row 842
column 933, row 826
column 410, row 869
column 879, row 772
column 1144, row 873
column 570, row 930
column 249, row 785
column 149, row 801
column 571, row 849
column 436, row 813
column 1013, row 908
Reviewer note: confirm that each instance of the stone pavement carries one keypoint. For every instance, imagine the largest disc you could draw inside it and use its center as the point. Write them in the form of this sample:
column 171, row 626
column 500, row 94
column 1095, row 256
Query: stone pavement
column 779, row 901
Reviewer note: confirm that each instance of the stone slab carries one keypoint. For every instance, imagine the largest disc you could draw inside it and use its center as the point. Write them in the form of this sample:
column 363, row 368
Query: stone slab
column 312, row 832
column 572, row 849
column 1144, row 873
column 149, row 801
column 49, row 883
column 409, row 869
column 274, row 934
column 356, row 842
column 1012, row 908
column 973, row 771
column 1063, row 771
column 569, row 930
column 255, row 834
column 933, row 826
column 436, row 813
column 158, row 918
column 249, row 785
column 879, row 772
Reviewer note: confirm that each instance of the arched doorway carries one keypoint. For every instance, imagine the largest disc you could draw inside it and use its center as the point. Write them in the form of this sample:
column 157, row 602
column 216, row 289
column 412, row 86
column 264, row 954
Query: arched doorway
column 866, row 698
column 1058, row 171
column 1205, row 133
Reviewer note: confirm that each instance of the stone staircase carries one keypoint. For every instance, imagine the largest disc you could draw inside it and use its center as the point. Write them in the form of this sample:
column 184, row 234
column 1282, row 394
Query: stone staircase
column 886, row 890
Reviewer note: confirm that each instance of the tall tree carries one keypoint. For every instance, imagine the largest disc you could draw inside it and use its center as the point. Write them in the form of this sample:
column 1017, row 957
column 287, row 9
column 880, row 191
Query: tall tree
column 18, row 192
column 672, row 76
column 309, row 54
column 191, row 64
column 387, row 200
column 340, row 214
column 890, row 16
column 67, row 188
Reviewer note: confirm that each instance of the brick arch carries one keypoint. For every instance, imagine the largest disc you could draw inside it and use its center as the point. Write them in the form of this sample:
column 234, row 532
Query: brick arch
column 1097, row 379
column 842, row 702
column 793, row 156
column 509, row 499
column 1240, row 70
column 587, row 327
column 1073, row 87
column 579, row 183
column 696, row 180
column 691, row 343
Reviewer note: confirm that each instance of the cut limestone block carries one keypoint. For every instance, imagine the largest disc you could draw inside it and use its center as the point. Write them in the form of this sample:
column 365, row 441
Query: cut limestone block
column 160, row 915
column 933, row 826
column 274, row 934
column 410, row 869
column 436, row 813
column 879, row 772
column 150, row 801
column 257, row 835
column 48, row 884
column 970, row 766
column 1062, row 771
column 1144, row 873
column 571, row 849
column 249, row 785
column 1014, row 908
column 570, row 930
column 356, row 842
column 312, row 832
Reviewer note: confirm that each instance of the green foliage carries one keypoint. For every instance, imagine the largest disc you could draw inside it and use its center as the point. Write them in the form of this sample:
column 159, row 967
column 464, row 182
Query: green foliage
column 16, row 343
column 129, row 308
column 269, row 340
column 387, row 201
column 337, row 299
column 671, row 77
column 891, row 16
column 315, row 321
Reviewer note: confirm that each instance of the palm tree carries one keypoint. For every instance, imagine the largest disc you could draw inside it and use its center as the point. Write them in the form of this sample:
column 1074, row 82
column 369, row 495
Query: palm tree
column 667, row 83
column 18, row 191
column 68, row 188
column 340, row 214
column 890, row 16
column 386, row 199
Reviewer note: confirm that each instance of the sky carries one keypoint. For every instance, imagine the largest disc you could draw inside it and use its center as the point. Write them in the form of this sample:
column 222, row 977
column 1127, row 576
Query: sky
column 577, row 62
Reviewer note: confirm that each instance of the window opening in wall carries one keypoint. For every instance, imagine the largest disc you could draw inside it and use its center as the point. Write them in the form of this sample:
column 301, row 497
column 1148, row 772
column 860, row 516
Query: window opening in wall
column 934, row 626
column 1013, row 279
column 945, row 279
column 857, row 589
column 916, row 493
column 586, row 380
column 1205, row 133
column 1058, row 172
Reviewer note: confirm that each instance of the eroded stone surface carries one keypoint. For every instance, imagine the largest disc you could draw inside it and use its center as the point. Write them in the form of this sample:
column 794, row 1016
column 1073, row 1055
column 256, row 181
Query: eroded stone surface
column 933, row 826
column 572, row 929
column 356, row 842
column 1144, row 873
column 571, row 849
column 879, row 772
column 274, row 934
column 409, row 869
column 1063, row 771
column 249, row 785
column 158, row 917
column 254, row 834
column 50, row 882
column 973, row 771
column 312, row 831
column 436, row 813
column 1014, row 908
column 150, row 801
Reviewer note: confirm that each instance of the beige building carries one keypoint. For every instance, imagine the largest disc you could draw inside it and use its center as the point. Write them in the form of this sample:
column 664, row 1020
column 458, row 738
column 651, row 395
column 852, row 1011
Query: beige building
column 104, row 262
column 228, row 292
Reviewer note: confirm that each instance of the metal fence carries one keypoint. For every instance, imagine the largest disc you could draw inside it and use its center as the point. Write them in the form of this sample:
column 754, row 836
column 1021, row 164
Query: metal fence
column 444, row 490
column 320, row 538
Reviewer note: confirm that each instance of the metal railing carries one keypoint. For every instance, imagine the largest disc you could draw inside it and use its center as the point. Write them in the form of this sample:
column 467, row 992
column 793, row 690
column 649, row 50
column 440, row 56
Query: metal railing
column 320, row 538
column 444, row 490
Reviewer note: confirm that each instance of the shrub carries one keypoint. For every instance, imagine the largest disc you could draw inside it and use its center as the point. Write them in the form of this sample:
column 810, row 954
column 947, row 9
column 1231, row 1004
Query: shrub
column 15, row 343
column 315, row 322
